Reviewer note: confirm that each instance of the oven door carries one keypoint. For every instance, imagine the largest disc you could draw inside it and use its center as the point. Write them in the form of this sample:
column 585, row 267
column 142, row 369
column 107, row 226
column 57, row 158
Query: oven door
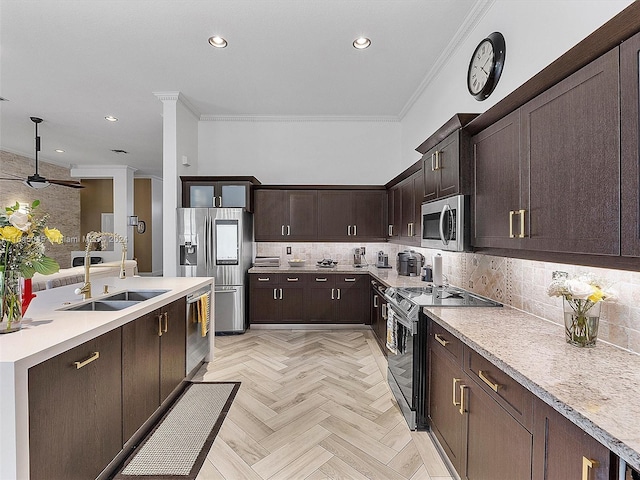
column 402, row 368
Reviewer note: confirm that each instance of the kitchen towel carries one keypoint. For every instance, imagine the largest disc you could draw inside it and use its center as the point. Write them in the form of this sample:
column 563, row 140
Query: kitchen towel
column 392, row 332
column 203, row 314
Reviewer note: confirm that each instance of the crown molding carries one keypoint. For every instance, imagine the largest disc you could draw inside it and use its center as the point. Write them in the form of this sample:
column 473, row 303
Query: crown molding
column 479, row 10
column 177, row 97
column 299, row 118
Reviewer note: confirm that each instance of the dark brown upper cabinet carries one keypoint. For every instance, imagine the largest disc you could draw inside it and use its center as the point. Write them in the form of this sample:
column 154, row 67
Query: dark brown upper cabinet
column 630, row 139
column 285, row 215
column 547, row 175
column 217, row 192
column 352, row 215
column 446, row 167
column 570, row 138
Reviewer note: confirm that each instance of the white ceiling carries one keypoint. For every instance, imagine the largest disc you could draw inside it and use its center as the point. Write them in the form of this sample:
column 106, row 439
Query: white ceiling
column 72, row 62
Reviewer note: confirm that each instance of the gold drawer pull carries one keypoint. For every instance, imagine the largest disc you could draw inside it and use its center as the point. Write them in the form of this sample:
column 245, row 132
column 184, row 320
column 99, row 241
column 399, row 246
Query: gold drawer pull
column 455, row 385
column 321, row 279
column 440, row 340
column 263, row 279
column 92, row 357
column 587, row 465
column 463, row 409
column 494, row 386
column 292, row 279
column 349, row 279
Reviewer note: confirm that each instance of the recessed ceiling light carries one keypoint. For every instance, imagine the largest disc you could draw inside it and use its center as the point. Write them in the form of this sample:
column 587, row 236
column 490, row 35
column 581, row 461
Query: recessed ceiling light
column 217, row 41
column 361, row 43
column 111, row 118
column 59, row 150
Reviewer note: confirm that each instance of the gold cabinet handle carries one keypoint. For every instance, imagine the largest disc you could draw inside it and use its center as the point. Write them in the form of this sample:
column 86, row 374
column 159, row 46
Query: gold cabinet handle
column 355, row 230
column 455, row 384
column 94, row 356
column 292, row 279
column 333, row 294
column 521, row 213
column 463, row 409
column 282, row 230
column 384, row 311
column 438, row 166
column 587, row 465
column 433, row 164
column 275, row 293
column 166, row 322
column 494, row 386
column 160, row 325
column 321, row 279
column 280, row 294
column 338, row 293
column 349, row 279
column 375, row 301
column 440, row 340
column 391, row 230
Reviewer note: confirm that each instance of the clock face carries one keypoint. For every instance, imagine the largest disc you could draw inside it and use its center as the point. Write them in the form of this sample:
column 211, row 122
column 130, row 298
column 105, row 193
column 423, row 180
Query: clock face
column 486, row 65
column 480, row 67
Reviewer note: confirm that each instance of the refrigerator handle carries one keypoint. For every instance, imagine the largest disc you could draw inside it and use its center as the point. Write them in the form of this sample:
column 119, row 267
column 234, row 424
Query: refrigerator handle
column 207, row 242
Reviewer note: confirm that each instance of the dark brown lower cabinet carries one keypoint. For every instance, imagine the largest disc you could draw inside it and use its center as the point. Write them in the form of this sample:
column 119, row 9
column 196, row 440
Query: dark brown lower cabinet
column 448, row 422
column 75, row 410
column 563, row 450
column 498, row 447
column 308, row 298
column 379, row 319
column 153, row 362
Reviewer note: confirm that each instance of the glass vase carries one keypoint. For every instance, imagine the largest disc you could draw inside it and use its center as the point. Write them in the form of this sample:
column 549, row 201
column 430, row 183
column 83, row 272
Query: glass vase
column 581, row 321
column 11, row 304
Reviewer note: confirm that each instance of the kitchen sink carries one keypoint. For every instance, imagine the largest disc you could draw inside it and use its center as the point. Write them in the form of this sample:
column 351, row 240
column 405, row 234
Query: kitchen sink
column 135, row 295
column 103, row 305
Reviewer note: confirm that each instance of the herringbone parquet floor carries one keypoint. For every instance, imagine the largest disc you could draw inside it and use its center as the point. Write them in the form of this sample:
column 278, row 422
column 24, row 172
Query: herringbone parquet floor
column 312, row 405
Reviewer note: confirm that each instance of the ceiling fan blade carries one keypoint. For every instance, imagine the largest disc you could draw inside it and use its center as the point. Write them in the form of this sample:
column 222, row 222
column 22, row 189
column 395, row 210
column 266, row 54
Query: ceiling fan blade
column 9, row 178
column 66, row 183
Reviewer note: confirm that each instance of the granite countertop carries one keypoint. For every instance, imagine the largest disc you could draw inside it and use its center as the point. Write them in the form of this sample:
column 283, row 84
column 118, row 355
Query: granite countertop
column 596, row 388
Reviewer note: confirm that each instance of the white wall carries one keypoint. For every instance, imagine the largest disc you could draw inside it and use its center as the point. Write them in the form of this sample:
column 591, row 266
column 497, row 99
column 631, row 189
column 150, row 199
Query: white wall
column 536, row 32
column 301, row 152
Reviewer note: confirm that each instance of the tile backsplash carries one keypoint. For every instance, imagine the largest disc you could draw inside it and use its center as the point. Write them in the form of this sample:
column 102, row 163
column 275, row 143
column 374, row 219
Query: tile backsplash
column 521, row 284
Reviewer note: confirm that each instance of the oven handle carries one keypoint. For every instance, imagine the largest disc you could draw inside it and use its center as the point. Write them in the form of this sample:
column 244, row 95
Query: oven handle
column 442, row 214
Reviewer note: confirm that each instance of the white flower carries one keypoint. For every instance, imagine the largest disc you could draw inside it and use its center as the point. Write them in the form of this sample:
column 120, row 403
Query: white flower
column 579, row 289
column 20, row 220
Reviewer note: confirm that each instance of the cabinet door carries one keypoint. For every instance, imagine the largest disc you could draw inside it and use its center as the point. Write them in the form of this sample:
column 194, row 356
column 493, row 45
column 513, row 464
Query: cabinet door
column 292, row 294
column 264, row 306
column 335, row 215
column 447, row 423
column 630, row 132
column 302, row 221
column 408, row 201
column 320, row 304
column 369, row 209
column 352, row 299
column 497, row 445
column 430, row 175
column 173, row 353
column 418, row 189
column 234, row 195
column 140, row 370
column 497, row 178
column 449, row 165
column 570, row 150
column 561, row 448
column 395, row 212
column 269, row 215
column 75, row 413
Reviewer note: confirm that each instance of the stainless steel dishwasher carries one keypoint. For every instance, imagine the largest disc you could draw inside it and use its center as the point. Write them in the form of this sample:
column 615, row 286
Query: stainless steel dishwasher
column 198, row 346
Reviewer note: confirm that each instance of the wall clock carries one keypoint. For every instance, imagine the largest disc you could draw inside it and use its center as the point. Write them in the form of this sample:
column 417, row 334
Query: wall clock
column 486, row 66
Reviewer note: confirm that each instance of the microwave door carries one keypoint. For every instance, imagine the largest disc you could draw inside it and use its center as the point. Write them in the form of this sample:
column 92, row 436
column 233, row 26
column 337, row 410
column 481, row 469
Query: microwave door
column 444, row 219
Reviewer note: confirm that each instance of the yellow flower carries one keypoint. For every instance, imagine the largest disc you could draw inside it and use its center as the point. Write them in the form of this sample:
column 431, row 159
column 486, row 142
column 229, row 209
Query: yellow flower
column 10, row 234
column 596, row 296
column 53, row 235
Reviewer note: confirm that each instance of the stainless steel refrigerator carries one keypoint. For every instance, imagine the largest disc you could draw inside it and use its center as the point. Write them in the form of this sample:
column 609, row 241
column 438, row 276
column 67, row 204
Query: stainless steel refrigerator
column 218, row 242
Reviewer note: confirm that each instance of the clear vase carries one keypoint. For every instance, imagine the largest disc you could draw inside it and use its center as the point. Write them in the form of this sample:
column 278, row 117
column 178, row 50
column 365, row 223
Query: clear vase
column 581, row 322
column 11, row 304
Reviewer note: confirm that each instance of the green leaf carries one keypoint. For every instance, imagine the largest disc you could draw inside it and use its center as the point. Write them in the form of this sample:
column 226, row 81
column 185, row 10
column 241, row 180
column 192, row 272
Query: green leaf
column 27, row 271
column 35, row 203
column 46, row 266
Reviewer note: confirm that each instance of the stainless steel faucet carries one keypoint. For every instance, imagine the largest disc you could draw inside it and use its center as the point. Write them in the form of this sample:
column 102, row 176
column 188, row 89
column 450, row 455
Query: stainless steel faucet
column 94, row 237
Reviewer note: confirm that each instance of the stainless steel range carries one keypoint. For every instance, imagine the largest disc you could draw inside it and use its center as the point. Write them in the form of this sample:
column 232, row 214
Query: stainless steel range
column 408, row 369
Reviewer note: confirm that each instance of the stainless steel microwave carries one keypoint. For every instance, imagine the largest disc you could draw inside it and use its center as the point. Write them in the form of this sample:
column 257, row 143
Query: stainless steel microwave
column 445, row 224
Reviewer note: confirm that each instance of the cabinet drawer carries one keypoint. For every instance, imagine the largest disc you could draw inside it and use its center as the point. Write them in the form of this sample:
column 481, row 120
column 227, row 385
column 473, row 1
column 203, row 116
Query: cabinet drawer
column 294, row 278
column 516, row 399
column 442, row 339
column 351, row 281
column 321, row 280
column 264, row 279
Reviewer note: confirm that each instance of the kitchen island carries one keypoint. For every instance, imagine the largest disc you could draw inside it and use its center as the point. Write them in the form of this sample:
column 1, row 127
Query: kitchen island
column 49, row 331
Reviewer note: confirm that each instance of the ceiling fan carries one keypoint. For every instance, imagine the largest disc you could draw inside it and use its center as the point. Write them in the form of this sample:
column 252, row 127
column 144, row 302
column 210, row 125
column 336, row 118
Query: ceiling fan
column 38, row 181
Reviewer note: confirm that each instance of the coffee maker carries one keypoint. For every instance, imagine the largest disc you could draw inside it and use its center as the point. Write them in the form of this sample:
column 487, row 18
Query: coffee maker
column 357, row 257
column 383, row 260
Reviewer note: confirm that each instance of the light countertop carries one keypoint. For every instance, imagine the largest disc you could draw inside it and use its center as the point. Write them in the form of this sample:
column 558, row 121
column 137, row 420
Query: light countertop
column 596, row 388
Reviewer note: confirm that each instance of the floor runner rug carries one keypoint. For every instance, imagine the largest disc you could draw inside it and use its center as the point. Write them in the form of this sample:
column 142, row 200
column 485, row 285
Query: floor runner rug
column 177, row 447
